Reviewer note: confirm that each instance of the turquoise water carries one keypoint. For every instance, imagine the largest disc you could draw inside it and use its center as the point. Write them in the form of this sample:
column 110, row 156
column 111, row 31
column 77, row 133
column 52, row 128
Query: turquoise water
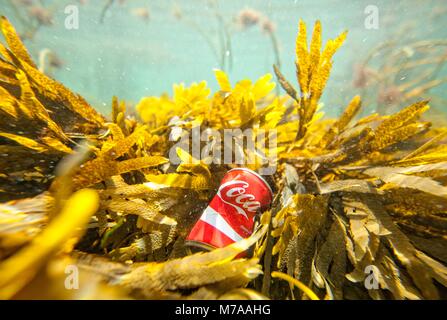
column 130, row 57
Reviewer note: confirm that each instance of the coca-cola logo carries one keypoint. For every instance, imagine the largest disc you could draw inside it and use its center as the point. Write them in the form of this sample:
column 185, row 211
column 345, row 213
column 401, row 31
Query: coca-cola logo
column 234, row 193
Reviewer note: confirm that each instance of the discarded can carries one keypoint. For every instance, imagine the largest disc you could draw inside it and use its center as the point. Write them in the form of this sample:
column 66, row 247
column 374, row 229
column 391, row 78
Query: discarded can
column 230, row 215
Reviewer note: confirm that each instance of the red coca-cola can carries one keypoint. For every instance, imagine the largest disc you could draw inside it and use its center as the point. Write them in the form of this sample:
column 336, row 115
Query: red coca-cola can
column 230, row 215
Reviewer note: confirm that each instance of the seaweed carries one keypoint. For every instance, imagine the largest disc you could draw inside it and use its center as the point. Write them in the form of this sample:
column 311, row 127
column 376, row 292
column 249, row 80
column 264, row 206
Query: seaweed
column 349, row 193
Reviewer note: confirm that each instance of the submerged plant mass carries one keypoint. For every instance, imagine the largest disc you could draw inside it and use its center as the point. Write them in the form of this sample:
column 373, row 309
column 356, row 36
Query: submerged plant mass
column 101, row 197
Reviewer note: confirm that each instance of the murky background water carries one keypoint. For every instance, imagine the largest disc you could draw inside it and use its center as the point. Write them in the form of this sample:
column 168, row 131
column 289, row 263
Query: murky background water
column 138, row 48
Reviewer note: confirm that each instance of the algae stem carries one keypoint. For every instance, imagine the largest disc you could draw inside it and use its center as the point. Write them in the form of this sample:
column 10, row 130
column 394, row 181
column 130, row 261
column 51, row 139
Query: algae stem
column 277, row 55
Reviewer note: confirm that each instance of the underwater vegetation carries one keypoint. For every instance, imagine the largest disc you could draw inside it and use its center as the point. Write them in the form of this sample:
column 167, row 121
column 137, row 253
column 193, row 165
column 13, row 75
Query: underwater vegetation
column 399, row 71
column 83, row 192
column 244, row 19
column 31, row 15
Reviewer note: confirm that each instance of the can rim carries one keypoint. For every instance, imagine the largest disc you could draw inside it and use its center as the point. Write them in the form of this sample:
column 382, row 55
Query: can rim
column 258, row 175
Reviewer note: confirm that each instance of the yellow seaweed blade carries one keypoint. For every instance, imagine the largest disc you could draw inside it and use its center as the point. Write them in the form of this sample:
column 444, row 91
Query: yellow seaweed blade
column 315, row 47
column 263, row 86
column 116, row 131
column 122, row 146
column 403, row 117
column 437, row 154
column 102, row 168
column 394, row 176
column 156, row 111
column 176, row 180
column 222, row 80
column 351, row 110
column 189, row 164
column 185, row 157
column 144, row 211
column 319, row 80
column 58, row 92
column 56, row 145
column 332, row 46
column 140, row 163
column 8, row 103
column 26, row 142
column 35, row 106
column 348, row 114
column 313, row 69
column 228, row 253
column 194, row 98
column 387, row 138
column 6, row 55
column 247, row 109
column 16, row 271
column 436, row 140
column 302, row 59
column 198, row 269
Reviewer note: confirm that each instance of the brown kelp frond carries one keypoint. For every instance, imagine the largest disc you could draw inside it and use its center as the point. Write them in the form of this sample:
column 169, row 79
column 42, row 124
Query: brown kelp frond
column 39, row 117
column 359, row 209
column 217, row 268
column 313, row 67
column 14, row 42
